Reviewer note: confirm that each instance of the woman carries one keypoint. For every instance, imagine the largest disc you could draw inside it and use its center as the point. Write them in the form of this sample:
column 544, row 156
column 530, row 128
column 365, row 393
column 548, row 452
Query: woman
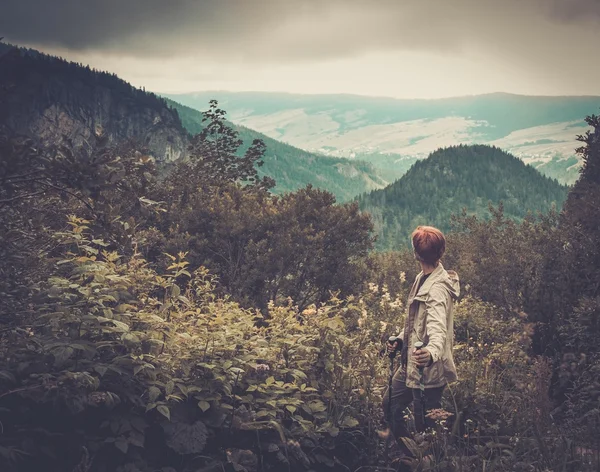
column 429, row 320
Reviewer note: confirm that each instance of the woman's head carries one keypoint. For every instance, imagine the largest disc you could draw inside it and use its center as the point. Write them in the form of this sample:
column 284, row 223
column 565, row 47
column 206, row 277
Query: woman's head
column 429, row 244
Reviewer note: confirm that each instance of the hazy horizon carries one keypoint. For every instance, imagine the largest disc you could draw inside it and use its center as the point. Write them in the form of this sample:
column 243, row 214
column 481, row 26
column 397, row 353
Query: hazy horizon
column 285, row 92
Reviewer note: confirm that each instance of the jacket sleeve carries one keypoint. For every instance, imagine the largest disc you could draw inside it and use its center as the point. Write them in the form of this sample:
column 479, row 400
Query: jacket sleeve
column 436, row 306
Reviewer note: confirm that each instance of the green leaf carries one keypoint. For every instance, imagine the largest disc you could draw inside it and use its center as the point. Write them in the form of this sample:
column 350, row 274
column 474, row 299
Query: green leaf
column 120, row 327
column 164, row 410
column 350, row 422
column 317, row 406
column 131, row 339
column 153, row 393
column 412, row 446
column 299, row 374
column 6, row 375
column 203, row 405
column 122, row 445
column 62, row 354
column 136, row 438
column 335, row 324
column 270, row 380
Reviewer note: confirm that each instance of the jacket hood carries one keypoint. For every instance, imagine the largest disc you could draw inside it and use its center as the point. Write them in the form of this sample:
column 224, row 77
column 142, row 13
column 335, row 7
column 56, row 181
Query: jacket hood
column 448, row 278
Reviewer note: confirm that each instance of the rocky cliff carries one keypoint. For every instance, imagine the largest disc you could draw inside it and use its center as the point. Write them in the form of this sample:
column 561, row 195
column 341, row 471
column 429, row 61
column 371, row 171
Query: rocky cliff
column 50, row 99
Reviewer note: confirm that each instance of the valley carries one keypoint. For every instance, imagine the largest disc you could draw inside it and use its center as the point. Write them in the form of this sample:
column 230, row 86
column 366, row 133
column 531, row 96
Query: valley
column 541, row 131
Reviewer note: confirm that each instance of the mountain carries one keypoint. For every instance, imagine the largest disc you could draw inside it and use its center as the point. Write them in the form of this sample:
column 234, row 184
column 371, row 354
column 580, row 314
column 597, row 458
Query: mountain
column 540, row 130
column 293, row 168
column 48, row 98
column 453, row 178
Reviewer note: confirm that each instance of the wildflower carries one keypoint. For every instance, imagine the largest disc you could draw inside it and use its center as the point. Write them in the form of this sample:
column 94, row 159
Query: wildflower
column 383, row 326
column 439, row 414
column 310, row 311
column 262, row 367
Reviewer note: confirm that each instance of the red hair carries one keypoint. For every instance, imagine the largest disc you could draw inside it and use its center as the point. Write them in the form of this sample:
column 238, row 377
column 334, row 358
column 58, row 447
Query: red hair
column 429, row 244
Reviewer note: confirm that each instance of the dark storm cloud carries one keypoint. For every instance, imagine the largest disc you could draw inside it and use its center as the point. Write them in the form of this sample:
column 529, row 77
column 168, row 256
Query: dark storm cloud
column 575, row 10
column 287, row 30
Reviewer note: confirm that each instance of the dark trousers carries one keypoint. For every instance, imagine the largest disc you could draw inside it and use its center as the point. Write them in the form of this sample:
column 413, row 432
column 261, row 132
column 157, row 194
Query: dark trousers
column 402, row 397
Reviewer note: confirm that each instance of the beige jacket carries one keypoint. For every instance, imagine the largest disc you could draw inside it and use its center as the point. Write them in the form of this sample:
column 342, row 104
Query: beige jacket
column 434, row 326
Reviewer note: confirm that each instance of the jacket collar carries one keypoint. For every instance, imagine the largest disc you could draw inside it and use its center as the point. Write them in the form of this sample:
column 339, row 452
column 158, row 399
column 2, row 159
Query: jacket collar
column 437, row 274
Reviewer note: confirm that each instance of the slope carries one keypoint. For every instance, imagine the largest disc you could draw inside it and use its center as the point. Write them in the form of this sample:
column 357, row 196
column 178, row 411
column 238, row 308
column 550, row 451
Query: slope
column 540, row 130
column 454, row 178
column 293, row 168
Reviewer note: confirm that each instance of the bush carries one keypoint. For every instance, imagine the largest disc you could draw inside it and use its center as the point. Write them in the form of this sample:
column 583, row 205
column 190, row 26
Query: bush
column 114, row 356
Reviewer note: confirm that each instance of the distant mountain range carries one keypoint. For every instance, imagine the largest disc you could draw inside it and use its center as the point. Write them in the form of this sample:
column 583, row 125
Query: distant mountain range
column 453, row 178
column 52, row 100
column 392, row 133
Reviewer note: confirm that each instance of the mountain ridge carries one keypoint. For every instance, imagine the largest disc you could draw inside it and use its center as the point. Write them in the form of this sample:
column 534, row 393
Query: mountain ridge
column 444, row 184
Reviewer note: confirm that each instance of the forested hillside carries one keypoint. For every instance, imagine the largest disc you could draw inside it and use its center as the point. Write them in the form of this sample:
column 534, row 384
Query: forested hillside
column 293, row 168
column 57, row 102
column 453, row 179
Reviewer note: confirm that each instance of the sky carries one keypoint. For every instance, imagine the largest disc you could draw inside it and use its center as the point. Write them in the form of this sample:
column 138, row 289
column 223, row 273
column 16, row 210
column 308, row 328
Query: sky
column 396, row 48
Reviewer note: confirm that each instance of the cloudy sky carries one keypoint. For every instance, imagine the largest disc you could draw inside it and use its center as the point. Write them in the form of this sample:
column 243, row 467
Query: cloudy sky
column 399, row 48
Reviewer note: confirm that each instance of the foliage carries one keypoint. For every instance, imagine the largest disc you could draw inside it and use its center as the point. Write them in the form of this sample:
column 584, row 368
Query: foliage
column 213, row 153
column 117, row 351
column 265, row 247
column 453, row 179
column 499, row 415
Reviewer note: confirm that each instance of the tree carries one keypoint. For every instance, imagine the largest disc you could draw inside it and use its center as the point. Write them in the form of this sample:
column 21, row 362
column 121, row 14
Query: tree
column 213, row 153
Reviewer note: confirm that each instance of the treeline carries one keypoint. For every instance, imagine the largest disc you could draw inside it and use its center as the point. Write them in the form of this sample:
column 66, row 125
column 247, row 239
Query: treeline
column 454, row 178
column 33, row 64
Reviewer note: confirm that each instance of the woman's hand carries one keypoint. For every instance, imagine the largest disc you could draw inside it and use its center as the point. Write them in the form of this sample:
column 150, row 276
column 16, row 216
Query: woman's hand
column 391, row 347
column 422, row 357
